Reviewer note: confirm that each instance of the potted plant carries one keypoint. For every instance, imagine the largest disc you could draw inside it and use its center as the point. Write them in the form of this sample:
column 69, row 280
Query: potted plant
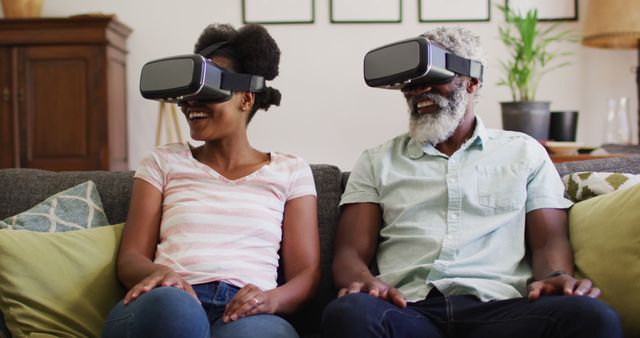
column 530, row 59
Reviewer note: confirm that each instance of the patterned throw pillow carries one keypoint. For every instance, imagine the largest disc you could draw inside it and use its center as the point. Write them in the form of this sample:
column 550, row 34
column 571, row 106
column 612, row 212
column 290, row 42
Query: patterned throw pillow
column 76, row 208
column 581, row 186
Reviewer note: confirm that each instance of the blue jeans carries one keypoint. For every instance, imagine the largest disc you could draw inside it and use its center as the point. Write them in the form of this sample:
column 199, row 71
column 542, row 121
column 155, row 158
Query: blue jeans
column 439, row 316
column 170, row 312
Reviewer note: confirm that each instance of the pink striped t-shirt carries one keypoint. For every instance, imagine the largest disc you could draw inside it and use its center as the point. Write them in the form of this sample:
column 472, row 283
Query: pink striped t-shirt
column 216, row 229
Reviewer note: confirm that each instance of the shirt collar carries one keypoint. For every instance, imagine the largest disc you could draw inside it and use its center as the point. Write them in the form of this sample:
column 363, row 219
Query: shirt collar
column 415, row 150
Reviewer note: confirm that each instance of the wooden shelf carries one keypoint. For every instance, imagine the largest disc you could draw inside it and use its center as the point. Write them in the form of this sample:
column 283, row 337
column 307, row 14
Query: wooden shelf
column 559, row 158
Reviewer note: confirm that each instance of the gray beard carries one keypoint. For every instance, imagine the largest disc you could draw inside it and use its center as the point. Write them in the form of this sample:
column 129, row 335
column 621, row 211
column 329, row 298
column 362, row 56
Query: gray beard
column 438, row 127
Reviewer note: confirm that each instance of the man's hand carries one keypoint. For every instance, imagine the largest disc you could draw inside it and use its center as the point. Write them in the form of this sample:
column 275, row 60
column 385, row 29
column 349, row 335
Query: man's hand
column 378, row 289
column 562, row 284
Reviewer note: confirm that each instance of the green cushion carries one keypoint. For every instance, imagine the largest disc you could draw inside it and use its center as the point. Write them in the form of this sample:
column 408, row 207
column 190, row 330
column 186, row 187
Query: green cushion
column 581, row 186
column 59, row 284
column 605, row 235
column 76, row 208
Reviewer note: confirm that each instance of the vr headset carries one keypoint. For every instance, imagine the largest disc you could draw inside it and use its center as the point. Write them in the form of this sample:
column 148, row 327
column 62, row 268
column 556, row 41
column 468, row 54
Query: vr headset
column 194, row 77
column 414, row 62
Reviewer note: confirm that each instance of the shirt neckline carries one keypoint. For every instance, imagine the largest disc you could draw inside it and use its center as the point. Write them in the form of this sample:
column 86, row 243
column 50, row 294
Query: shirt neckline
column 218, row 175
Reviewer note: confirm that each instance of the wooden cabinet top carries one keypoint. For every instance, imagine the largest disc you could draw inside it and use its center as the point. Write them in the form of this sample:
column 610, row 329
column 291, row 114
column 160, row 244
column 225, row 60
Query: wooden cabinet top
column 85, row 29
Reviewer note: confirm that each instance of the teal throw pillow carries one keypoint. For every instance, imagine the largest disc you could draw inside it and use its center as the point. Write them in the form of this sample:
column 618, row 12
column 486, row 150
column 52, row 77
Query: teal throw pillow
column 76, row 208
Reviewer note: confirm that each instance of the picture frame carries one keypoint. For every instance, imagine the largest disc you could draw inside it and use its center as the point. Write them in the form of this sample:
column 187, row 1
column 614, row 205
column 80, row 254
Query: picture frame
column 454, row 10
column 278, row 11
column 548, row 10
column 365, row 11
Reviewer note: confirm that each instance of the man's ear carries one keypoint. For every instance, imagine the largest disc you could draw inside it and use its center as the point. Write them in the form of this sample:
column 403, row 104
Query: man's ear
column 473, row 85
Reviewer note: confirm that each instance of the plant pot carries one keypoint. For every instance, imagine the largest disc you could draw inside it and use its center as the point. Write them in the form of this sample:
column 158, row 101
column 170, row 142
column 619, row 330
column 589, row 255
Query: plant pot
column 21, row 8
column 529, row 117
column 563, row 126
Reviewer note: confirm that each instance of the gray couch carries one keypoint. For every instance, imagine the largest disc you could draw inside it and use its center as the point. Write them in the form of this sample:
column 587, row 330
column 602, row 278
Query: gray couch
column 23, row 188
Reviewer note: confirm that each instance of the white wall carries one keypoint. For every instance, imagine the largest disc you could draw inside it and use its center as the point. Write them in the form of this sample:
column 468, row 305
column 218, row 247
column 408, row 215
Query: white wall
column 328, row 114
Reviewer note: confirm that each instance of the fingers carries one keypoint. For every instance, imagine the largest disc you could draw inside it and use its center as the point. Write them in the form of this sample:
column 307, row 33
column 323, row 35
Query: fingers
column 354, row 287
column 144, row 286
column 159, row 278
column 250, row 300
column 566, row 285
column 582, row 287
column 189, row 289
column 535, row 290
column 397, row 298
column 376, row 289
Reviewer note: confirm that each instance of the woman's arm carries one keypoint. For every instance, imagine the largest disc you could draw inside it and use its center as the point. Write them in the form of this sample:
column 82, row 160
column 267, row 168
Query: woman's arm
column 300, row 254
column 301, row 259
column 136, row 269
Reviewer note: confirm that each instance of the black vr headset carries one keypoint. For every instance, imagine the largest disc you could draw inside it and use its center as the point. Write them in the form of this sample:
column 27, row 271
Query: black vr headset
column 413, row 62
column 194, row 77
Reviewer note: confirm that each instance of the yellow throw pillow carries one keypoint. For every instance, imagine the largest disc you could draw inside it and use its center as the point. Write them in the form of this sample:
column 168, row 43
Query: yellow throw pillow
column 605, row 235
column 59, row 284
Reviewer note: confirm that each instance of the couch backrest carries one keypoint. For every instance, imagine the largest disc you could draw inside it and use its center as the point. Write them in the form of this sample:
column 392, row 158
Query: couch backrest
column 23, row 188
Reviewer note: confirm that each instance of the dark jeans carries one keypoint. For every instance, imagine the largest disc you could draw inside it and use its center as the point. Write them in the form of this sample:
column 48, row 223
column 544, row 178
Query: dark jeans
column 438, row 316
column 170, row 312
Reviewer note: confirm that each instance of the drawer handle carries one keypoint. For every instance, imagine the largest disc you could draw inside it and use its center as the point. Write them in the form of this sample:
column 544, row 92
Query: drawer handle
column 6, row 95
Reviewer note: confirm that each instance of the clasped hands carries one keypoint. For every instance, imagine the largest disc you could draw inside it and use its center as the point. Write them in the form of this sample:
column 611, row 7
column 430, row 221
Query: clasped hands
column 250, row 300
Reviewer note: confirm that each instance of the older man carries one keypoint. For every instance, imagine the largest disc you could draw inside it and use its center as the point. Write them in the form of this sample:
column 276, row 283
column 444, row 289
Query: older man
column 468, row 226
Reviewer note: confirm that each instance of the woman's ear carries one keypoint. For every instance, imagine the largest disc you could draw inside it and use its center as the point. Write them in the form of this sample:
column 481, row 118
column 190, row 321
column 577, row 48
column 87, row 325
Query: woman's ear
column 247, row 99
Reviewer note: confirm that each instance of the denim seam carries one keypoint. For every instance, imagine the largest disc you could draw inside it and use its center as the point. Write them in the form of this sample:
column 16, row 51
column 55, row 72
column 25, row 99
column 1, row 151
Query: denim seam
column 384, row 315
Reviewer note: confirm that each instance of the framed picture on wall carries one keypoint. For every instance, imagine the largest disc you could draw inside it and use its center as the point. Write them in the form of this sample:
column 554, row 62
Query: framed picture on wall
column 548, row 10
column 278, row 11
column 365, row 11
column 454, row 10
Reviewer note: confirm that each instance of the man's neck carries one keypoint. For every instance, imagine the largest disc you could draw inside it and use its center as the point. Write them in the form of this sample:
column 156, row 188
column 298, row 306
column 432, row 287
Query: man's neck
column 460, row 135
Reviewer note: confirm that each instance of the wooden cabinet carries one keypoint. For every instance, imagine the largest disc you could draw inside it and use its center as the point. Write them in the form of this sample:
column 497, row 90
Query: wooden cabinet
column 63, row 93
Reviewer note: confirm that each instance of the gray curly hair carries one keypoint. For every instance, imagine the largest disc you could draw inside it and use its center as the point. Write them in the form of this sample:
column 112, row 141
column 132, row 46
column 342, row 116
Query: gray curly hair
column 460, row 41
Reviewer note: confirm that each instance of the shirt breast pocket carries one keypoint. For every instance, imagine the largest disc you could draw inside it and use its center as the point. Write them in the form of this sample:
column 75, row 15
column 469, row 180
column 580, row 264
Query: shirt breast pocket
column 502, row 187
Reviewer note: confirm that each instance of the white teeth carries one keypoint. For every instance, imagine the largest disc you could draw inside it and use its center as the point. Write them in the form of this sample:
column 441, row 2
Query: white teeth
column 423, row 104
column 197, row 114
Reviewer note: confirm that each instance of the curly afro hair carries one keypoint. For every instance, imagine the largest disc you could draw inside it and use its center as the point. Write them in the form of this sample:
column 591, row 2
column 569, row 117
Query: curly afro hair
column 251, row 50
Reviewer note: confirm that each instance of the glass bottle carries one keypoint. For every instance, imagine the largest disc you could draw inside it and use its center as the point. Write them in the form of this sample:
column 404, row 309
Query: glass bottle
column 617, row 129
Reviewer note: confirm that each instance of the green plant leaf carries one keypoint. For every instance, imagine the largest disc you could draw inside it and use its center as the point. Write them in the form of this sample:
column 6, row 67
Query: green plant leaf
column 529, row 49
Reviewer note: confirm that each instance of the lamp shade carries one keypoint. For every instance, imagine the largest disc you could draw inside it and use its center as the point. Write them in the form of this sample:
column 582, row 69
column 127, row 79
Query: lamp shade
column 612, row 24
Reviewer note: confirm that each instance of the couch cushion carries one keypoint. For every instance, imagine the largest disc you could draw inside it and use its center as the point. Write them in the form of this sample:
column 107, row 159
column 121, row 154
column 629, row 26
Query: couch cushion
column 76, row 208
column 70, row 277
column 328, row 185
column 605, row 236
column 583, row 185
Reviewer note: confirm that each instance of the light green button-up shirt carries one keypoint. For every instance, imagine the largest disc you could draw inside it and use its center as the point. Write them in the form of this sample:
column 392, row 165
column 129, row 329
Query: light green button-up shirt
column 456, row 223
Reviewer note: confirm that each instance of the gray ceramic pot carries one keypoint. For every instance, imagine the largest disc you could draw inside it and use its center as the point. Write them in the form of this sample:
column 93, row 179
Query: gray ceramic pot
column 529, row 117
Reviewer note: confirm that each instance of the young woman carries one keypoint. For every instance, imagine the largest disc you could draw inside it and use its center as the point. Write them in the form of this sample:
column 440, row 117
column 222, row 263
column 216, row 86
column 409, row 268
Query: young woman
column 207, row 224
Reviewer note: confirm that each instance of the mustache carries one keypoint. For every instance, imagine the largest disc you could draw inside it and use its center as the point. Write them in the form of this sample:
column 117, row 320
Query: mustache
column 440, row 100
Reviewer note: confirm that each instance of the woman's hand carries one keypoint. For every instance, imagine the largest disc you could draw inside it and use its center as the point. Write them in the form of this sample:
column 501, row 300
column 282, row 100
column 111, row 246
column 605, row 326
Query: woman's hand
column 250, row 300
column 160, row 277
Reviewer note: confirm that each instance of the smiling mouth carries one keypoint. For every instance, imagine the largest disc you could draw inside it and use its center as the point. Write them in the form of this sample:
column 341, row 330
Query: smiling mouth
column 425, row 103
column 197, row 115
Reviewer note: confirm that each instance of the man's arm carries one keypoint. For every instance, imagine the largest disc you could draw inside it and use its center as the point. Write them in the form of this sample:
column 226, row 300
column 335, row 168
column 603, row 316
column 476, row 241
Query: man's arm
column 552, row 256
column 355, row 246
